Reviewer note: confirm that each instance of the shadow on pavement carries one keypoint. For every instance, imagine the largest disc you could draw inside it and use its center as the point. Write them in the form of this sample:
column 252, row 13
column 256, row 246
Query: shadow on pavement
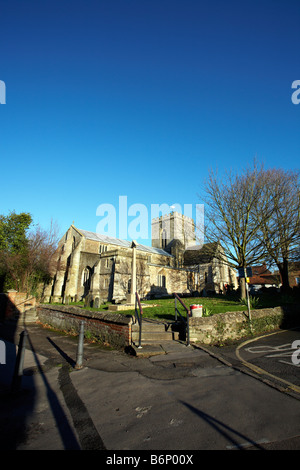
column 17, row 393
column 66, row 433
column 18, row 403
column 65, row 356
column 224, row 430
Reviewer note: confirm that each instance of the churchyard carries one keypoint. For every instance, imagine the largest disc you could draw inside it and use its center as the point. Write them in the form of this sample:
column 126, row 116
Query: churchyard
column 164, row 308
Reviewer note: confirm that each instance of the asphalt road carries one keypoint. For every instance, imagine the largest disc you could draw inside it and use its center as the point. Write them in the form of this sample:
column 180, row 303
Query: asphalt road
column 273, row 358
column 186, row 399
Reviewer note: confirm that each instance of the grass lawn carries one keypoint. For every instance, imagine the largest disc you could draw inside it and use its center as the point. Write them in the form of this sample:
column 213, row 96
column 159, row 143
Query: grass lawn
column 165, row 308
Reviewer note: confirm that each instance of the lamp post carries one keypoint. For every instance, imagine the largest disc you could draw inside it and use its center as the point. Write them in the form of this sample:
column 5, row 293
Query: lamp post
column 131, row 296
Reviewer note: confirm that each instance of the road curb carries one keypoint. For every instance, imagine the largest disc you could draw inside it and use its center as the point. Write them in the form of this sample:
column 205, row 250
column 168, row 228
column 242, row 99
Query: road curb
column 246, row 369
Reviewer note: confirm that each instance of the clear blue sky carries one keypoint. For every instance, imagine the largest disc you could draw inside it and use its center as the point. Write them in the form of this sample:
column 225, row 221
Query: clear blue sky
column 139, row 98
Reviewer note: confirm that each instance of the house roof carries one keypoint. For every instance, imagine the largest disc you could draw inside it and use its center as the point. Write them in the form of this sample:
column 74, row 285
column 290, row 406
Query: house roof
column 260, row 270
column 294, row 266
column 262, row 275
column 123, row 243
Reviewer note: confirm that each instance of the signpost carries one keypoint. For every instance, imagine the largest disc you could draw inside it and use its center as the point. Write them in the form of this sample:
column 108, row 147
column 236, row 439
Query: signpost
column 246, row 273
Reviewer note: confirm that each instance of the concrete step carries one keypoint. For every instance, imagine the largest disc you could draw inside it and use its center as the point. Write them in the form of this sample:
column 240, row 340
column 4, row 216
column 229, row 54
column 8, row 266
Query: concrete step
column 147, row 327
column 150, row 337
column 162, row 348
column 156, row 332
column 158, row 325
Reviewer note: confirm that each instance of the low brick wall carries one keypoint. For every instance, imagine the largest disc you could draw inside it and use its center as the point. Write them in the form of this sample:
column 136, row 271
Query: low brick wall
column 222, row 327
column 111, row 328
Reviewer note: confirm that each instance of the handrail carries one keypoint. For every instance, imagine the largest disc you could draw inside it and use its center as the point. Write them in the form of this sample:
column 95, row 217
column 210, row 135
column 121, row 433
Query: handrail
column 139, row 317
column 186, row 321
column 182, row 303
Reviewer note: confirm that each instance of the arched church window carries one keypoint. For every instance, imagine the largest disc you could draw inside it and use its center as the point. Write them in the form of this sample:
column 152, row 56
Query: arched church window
column 164, row 238
column 86, row 274
column 161, row 280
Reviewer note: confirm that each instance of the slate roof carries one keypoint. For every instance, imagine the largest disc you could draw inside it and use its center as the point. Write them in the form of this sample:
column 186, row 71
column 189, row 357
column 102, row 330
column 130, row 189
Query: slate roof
column 123, row 243
column 202, row 253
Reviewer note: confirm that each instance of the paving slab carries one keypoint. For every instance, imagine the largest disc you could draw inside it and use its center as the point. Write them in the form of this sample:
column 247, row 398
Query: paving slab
column 183, row 399
column 163, row 348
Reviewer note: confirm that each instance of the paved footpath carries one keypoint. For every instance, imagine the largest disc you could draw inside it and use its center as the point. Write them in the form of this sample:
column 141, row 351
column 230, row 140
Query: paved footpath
column 182, row 399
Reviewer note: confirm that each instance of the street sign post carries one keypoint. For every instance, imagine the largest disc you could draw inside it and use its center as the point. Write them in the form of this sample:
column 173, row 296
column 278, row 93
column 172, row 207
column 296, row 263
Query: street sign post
column 242, row 273
column 246, row 273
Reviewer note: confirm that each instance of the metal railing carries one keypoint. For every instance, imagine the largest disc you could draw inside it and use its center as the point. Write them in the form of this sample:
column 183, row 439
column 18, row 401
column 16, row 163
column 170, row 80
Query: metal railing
column 139, row 317
column 185, row 320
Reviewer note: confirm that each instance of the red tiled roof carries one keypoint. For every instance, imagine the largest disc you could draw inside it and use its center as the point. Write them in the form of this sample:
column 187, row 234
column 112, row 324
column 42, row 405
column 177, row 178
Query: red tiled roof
column 261, row 275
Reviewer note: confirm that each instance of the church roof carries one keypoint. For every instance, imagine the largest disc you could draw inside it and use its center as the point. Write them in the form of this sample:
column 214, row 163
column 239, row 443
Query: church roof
column 202, row 253
column 123, row 243
column 176, row 243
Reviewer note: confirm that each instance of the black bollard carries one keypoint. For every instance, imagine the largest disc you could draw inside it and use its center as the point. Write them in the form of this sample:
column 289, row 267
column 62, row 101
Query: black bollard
column 18, row 372
column 79, row 357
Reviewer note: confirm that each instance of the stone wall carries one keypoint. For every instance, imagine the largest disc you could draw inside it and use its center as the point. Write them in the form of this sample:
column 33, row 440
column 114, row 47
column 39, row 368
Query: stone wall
column 223, row 327
column 16, row 304
column 176, row 226
column 111, row 328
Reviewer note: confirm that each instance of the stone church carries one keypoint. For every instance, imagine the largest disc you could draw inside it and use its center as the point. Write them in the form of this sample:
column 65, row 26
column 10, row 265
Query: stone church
column 97, row 268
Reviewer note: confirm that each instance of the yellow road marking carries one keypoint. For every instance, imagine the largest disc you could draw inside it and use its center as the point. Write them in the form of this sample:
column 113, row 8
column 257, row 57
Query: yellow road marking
column 260, row 371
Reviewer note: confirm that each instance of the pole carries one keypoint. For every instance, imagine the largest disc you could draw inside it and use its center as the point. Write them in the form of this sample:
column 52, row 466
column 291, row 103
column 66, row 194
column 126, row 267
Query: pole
column 140, row 319
column 140, row 336
column 248, row 300
column 188, row 314
column 18, row 372
column 79, row 357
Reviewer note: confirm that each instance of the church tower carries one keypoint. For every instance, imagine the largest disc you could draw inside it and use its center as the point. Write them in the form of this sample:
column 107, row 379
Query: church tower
column 172, row 227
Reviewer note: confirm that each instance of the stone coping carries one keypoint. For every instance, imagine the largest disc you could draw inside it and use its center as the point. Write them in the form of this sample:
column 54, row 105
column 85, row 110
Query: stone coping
column 105, row 316
column 236, row 316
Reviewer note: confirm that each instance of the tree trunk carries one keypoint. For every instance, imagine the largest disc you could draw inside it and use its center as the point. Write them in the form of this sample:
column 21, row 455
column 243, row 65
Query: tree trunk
column 243, row 287
column 284, row 273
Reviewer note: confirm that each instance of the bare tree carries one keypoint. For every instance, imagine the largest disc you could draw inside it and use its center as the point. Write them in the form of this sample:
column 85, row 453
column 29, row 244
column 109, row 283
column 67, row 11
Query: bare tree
column 230, row 202
column 26, row 256
column 42, row 245
column 278, row 216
